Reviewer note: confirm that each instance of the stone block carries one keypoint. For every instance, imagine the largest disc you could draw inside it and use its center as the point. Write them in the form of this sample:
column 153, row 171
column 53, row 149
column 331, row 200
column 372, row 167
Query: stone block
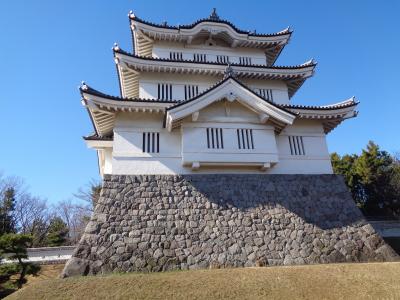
column 167, row 222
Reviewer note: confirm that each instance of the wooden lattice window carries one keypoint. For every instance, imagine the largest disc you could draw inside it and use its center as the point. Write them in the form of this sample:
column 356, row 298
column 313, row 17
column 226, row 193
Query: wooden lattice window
column 199, row 57
column 266, row 94
column 296, row 145
column 151, row 142
column 191, row 91
column 245, row 138
column 175, row 55
column 223, row 59
column 245, row 60
column 164, row 91
column 215, row 138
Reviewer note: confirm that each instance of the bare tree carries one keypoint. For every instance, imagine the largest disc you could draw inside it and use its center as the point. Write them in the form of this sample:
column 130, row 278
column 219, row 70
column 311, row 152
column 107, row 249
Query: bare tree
column 76, row 216
column 32, row 216
column 90, row 193
column 30, row 213
column 14, row 182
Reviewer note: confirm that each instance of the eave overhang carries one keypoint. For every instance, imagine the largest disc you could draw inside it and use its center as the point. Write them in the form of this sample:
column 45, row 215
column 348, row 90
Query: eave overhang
column 231, row 90
column 330, row 115
column 144, row 33
column 95, row 137
column 99, row 144
column 130, row 66
column 103, row 108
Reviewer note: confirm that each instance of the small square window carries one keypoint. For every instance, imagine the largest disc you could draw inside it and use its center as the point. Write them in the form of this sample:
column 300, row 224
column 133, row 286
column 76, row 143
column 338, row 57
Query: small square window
column 151, row 142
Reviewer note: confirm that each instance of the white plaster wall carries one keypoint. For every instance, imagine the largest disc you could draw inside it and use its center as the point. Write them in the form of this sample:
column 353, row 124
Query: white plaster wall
column 46, row 254
column 128, row 158
column 104, row 156
column 227, row 112
column 194, row 145
column 279, row 88
column 316, row 158
column 148, row 85
column 108, row 161
column 162, row 50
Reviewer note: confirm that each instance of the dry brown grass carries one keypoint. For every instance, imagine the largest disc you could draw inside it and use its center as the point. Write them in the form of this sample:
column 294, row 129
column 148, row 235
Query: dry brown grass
column 46, row 272
column 335, row 281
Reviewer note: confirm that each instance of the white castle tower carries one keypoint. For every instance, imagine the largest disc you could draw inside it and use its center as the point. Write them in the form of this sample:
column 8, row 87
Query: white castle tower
column 206, row 163
column 207, row 98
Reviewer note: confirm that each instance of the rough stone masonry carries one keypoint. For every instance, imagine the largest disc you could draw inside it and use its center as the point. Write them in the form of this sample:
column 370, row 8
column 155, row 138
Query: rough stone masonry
column 167, row 222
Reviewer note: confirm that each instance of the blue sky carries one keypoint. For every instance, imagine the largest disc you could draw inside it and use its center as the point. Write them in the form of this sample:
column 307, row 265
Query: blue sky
column 48, row 47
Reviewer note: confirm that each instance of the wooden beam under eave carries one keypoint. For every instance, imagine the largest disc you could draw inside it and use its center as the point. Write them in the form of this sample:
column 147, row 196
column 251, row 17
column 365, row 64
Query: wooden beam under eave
column 195, row 116
column 263, row 118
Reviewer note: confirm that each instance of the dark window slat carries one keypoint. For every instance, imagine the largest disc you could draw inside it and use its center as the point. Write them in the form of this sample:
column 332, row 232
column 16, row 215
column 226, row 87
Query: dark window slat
column 238, row 138
column 251, row 138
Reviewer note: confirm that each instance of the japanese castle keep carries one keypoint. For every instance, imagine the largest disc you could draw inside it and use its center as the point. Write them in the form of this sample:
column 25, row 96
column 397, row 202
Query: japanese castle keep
column 207, row 163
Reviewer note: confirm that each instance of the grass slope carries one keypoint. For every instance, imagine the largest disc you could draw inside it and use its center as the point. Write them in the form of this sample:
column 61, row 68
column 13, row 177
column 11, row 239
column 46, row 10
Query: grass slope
column 46, row 272
column 335, row 281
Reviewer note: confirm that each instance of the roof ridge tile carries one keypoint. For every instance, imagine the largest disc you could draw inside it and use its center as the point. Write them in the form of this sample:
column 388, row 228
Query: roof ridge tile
column 133, row 17
column 307, row 64
column 84, row 88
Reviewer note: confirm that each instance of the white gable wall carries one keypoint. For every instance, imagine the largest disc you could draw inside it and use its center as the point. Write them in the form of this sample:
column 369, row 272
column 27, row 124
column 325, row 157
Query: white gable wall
column 226, row 111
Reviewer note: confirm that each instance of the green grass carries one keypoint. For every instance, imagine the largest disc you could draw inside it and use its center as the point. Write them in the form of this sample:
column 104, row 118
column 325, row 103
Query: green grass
column 335, row 281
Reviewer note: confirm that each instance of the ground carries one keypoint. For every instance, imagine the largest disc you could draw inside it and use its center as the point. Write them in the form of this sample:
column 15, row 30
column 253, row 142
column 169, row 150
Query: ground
column 334, row 281
column 46, row 272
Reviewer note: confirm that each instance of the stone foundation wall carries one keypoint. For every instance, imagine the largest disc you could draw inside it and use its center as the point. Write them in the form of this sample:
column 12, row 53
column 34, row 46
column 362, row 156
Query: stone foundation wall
column 166, row 222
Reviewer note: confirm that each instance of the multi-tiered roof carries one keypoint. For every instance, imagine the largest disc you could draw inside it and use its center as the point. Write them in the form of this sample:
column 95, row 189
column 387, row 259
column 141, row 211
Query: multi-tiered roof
column 145, row 33
column 103, row 108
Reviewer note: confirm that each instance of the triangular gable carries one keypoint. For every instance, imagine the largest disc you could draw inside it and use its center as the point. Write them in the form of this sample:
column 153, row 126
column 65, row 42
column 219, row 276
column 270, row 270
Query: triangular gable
column 232, row 90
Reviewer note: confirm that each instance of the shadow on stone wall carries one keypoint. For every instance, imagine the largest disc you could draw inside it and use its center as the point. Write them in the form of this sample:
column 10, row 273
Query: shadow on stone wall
column 322, row 200
column 166, row 222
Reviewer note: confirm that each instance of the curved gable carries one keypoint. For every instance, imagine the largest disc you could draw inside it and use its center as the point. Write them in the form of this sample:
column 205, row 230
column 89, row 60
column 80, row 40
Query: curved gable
column 231, row 90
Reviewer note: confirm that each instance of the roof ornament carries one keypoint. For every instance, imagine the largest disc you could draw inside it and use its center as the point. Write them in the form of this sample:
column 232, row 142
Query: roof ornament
column 115, row 47
column 287, row 29
column 164, row 23
column 231, row 97
column 229, row 72
column 309, row 62
column 83, row 86
column 214, row 15
column 131, row 14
